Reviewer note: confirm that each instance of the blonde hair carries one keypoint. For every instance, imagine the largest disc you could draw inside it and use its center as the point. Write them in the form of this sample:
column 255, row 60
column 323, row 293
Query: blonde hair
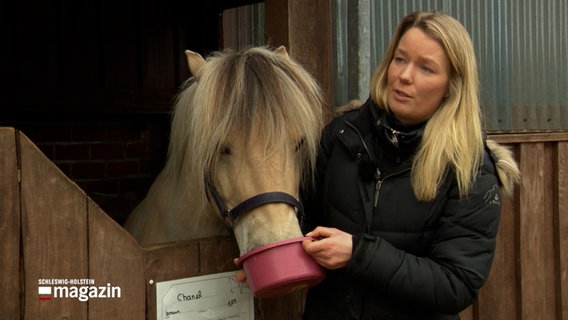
column 453, row 136
column 507, row 167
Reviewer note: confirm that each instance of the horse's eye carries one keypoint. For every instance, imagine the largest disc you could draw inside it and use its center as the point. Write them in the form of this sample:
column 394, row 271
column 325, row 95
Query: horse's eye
column 225, row 150
column 300, row 144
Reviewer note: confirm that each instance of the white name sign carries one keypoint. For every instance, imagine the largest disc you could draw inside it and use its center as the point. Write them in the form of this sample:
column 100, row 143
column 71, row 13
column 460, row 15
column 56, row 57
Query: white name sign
column 211, row 297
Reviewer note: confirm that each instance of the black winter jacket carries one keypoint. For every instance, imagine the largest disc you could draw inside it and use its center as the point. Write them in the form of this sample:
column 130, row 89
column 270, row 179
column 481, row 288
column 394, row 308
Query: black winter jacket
column 411, row 259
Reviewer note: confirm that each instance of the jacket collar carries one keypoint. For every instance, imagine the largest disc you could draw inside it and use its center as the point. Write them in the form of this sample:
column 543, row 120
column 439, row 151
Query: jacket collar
column 399, row 135
column 376, row 139
column 355, row 129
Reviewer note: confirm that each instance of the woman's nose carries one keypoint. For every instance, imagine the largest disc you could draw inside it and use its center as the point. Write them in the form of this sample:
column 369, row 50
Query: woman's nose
column 407, row 74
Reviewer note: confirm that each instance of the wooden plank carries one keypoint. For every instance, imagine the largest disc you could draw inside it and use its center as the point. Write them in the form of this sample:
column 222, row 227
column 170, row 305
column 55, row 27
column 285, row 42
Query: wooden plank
column 9, row 227
column 498, row 297
column 529, row 137
column 217, row 254
column 536, row 250
column 288, row 307
column 549, row 238
column 54, row 234
column 115, row 260
column 168, row 262
column 561, row 212
column 276, row 23
column 309, row 24
column 467, row 314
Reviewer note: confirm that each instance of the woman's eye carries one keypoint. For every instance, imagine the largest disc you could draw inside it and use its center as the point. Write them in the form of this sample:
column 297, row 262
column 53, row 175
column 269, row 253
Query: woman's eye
column 398, row 60
column 427, row 69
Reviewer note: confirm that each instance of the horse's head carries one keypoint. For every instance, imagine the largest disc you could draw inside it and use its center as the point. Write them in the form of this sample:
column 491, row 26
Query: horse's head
column 248, row 124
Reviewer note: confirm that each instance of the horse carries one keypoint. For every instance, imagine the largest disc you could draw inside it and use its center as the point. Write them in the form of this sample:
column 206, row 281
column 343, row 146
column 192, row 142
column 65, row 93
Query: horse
column 244, row 136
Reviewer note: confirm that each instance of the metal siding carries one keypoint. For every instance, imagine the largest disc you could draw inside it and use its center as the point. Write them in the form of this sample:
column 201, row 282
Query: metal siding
column 243, row 26
column 521, row 46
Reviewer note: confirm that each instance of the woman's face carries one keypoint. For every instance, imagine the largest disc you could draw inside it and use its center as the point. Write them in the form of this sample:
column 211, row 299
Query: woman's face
column 418, row 77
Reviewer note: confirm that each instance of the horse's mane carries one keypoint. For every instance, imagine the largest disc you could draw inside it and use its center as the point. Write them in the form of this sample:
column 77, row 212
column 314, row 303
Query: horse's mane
column 235, row 91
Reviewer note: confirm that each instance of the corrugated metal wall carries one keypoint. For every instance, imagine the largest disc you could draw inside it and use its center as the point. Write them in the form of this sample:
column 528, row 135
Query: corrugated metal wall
column 521, row 45
column 243, row 26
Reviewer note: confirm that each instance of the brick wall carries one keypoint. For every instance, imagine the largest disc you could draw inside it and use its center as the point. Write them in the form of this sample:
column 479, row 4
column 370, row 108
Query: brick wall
column 114, row 161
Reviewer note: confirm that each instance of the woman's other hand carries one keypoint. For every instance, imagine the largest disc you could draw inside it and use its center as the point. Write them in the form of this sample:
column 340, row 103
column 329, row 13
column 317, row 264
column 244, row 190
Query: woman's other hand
column 240, row 276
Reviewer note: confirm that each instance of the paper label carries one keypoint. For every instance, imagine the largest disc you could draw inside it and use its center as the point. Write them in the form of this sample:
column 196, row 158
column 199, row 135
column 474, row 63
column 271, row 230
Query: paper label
column 211, row 297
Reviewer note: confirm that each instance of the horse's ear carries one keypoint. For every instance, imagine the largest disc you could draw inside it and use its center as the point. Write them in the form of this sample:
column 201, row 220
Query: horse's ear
column 195, row 61
column 281, row 51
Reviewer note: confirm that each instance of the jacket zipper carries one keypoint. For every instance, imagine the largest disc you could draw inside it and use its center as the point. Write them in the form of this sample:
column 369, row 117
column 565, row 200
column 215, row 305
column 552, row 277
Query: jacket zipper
column 377, row 189
column 378, row 172
column 380, row 181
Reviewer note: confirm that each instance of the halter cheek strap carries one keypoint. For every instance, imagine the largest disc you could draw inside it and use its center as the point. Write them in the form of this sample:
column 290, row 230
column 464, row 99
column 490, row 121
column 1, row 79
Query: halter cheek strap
column 231, row 215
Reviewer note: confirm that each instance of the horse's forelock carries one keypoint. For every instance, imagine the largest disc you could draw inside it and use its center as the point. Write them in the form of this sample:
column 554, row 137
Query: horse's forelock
column 236, row 91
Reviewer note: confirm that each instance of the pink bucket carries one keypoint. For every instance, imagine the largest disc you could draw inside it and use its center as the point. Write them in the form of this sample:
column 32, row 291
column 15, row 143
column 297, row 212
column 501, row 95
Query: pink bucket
column 280, row 268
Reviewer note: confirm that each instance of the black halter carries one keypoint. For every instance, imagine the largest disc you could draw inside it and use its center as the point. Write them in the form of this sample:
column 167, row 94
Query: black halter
column 231, row 215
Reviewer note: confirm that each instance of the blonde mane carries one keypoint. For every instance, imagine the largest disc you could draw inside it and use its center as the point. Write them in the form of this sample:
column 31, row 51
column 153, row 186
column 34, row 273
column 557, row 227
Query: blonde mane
column 233, row 93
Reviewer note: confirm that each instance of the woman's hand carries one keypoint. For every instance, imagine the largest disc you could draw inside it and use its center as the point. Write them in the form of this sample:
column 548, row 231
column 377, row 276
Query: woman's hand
column 241, row 276
column 332, row 248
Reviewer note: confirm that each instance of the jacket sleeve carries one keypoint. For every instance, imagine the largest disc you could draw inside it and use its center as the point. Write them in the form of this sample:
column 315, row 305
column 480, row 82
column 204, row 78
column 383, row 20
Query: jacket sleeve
column 460, row 257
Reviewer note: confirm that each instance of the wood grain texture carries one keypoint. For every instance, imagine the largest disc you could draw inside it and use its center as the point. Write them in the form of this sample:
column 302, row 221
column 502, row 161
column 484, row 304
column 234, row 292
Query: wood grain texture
column 561, row 221
column 115, row 258
column 536, row 229
column 9, row 226
column 54, row 233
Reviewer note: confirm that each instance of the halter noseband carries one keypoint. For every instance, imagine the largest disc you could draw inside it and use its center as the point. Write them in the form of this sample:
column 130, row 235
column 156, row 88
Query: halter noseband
column 231, row 215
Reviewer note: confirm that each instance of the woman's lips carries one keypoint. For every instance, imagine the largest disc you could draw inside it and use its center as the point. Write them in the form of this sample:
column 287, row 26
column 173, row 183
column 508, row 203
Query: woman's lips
column 401, row 95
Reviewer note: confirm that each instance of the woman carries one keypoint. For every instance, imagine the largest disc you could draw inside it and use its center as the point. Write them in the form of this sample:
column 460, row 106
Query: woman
column 407, row 198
